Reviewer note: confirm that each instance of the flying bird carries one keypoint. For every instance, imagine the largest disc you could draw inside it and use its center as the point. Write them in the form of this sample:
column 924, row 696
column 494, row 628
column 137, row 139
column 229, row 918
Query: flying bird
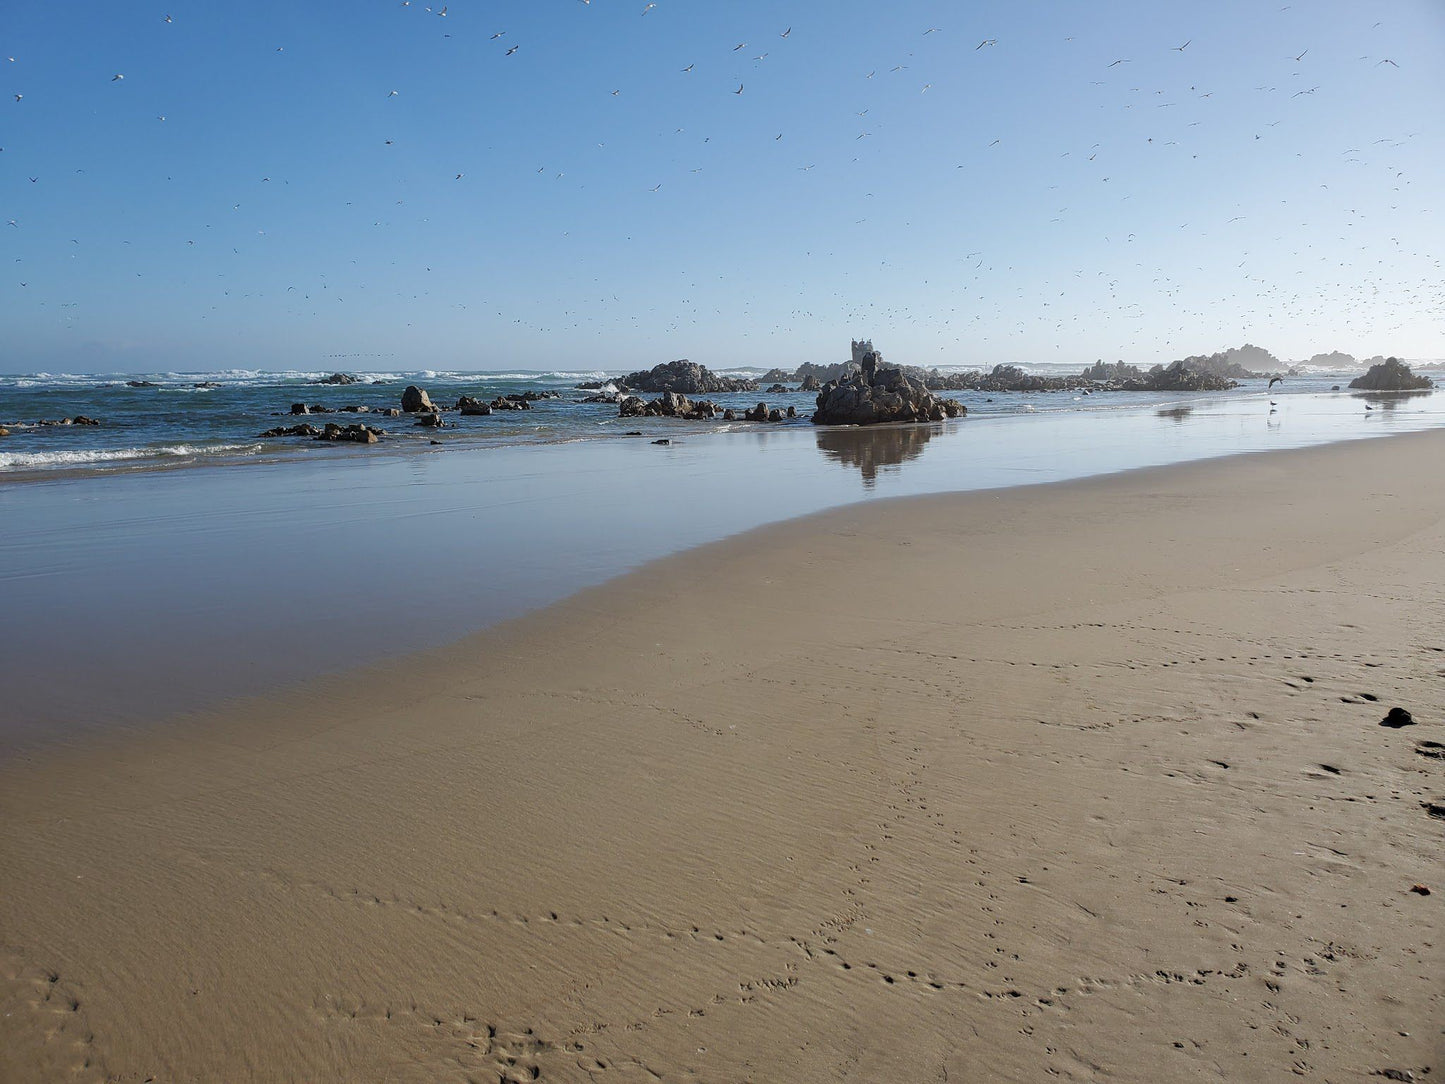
column 689, row 68
column 512, row 50
column 986, row 41
column 116, row 78
column 648, row 8
column 1181, row 48
column 1300, row 57
column 497, row 35
column 740, row 45
column 1272, row 382
column 932, row 30
column 786, row 32
column 739, row 90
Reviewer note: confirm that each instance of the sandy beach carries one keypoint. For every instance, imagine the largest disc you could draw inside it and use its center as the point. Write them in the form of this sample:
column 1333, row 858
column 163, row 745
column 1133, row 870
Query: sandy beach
column 1081, row 781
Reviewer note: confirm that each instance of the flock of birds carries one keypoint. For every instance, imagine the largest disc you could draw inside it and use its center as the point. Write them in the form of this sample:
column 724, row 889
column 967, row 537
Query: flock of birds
column 989, row 298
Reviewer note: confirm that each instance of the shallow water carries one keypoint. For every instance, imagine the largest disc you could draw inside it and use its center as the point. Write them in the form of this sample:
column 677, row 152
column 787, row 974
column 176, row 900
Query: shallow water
column 130, row 596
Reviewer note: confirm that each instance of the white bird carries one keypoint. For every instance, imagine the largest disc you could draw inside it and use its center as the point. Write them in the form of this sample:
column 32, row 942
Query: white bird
column 932, row 30
column 116, row 78
column 391, row 94
column 513, row 49
column 655, row 187
column 497, row 35
column 648, row 8
column 689, row 68
column 169, row 19
column 986, row 41
column 786, row 32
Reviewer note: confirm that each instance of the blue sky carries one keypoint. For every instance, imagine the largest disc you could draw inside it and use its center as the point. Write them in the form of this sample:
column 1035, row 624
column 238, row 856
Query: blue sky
column 1127, row 180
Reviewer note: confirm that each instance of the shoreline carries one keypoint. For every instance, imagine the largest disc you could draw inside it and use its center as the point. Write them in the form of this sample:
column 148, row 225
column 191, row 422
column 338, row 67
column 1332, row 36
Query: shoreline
column 1076, row 777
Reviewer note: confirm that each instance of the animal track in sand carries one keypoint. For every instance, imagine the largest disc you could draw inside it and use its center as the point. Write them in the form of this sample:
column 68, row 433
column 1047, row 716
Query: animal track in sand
column 52, row 1008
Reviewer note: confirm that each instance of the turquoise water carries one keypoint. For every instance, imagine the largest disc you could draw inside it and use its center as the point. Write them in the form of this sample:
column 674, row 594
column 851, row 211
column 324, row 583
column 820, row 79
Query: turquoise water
column 129, row 595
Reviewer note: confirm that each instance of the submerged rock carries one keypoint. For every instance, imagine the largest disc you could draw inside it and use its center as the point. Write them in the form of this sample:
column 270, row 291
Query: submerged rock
column 1392, row 374
column 414, row 400
column 305, row 429
column 432, row 420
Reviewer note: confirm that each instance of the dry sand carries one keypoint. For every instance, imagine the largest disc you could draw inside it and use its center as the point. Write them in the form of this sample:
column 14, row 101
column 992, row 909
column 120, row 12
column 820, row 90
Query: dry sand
column 1080, row 781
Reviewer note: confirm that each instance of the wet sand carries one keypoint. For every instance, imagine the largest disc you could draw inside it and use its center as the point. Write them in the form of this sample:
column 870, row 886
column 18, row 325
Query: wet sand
column 1081, row 780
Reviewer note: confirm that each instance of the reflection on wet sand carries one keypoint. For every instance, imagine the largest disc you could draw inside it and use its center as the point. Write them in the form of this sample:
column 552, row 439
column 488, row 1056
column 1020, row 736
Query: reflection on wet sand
column 874, row 447
column 1178, row 413
column 1389, row 400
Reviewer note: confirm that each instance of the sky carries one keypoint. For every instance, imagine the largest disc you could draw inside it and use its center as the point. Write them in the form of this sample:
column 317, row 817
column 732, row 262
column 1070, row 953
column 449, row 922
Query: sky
column 608, row 184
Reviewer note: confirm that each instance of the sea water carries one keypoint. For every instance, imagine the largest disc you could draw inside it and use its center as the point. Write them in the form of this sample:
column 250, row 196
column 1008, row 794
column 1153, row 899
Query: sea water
column 132, row 594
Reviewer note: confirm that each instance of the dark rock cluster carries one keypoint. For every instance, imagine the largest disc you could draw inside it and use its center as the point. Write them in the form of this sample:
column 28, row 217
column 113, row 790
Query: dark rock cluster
column 881, row 395
column 1392, row 374
column 687, row 378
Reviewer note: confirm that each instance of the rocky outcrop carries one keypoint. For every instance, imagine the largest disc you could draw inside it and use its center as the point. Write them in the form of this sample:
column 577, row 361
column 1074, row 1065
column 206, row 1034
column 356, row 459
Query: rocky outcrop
column 471, row 407
column 338, row 378
column 415, row 400
column 687, row 378
column 670, row 404
column 1104, row 373
column 139, row 384
column 355, row 433
column 809, row 383
column 79, row 419
column 778, row 389
column 1391, row 375
column 1180, row 376
column 885, row 395
column 432, row 420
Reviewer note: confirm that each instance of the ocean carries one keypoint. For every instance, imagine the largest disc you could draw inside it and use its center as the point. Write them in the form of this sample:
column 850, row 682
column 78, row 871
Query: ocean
column 176, row 419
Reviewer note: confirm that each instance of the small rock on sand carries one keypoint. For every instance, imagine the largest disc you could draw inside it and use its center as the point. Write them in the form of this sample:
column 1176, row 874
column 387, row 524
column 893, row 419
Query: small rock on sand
column 1397, row 718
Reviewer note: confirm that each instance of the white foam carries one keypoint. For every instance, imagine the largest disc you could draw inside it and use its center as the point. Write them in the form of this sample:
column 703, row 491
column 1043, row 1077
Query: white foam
column 80, row 458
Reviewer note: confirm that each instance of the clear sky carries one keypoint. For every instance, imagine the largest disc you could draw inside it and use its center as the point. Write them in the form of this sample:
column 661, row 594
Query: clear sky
column 564, row 184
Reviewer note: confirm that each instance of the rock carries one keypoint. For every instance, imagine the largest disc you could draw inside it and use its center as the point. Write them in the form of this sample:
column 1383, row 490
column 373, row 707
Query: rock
column 792, row 412
column 777, row 389
column 391, row 412
column 511, row 402
column 688, row 378
column 1420, row 890
column 4, row 432
column 356, row 410
column 431, row 420
column 139, row 384
column 1391, row 375
column 1395, row 1074
column 206, row 384
column 81, row 419
column 1181, row 376
column 303, row 430
column 633, row 433
column 355, row 433
column 471, row 407
column 758, row 413
column 664, row 440
column 631, row 407
column 888, row 396
column 435, row 443
column 809, row 383
column 1397, row 718
column 730, row 415
column 338, row 378
column 775, row 415
column 299, row 408
column 414, row 400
